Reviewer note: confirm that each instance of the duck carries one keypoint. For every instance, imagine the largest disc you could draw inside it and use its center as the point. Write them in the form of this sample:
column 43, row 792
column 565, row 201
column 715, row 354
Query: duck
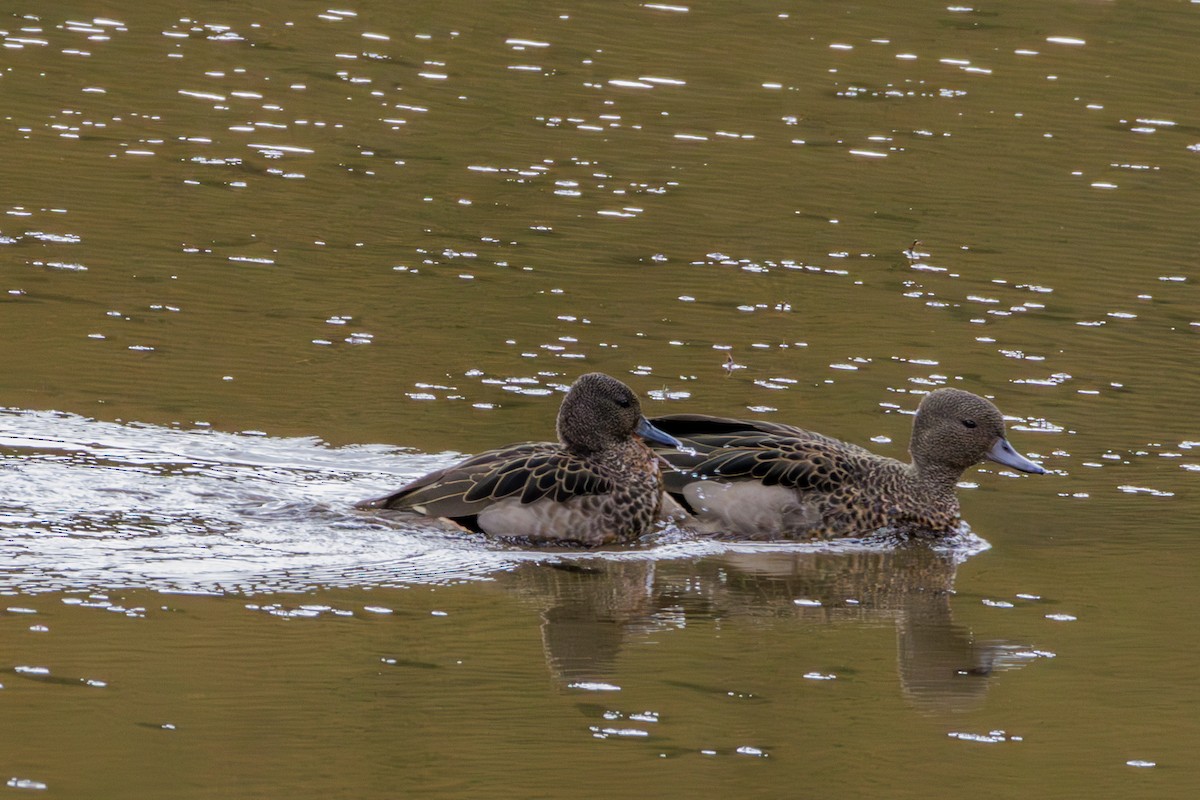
column 764, row 480
column 599, row 484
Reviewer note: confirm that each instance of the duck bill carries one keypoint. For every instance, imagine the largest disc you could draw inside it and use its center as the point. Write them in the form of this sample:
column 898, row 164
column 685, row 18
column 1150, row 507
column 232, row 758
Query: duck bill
column 653, row 434
column 1002, row 453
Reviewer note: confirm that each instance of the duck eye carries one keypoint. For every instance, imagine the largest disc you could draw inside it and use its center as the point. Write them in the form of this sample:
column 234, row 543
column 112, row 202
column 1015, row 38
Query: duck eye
column 624, row 402
column 970, row 423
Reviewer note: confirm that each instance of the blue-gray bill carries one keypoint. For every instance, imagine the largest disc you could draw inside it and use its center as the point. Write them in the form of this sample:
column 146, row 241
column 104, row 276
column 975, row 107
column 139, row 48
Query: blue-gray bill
column 653, row 434
column 1003, row 453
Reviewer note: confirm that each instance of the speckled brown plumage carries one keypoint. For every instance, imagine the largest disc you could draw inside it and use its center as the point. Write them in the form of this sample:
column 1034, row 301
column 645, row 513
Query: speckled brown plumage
column 599, row 484
column 764, row 480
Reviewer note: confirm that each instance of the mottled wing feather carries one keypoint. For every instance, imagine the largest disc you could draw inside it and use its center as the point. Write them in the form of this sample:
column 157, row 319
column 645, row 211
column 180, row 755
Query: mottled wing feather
column 529, row 471
column 502, row 482
column 442, row 492
column 770, row 452
column 790, row 463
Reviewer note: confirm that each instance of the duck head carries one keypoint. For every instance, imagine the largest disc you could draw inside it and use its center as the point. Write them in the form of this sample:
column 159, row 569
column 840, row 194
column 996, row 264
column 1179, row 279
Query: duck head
column 600, row 412
column 954, row 429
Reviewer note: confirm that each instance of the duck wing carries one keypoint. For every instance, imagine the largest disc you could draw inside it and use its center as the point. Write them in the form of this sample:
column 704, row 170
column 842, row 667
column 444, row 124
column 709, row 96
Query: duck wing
column 529, row 472
column 801, row 464
column 711, row 432
column 703, row 425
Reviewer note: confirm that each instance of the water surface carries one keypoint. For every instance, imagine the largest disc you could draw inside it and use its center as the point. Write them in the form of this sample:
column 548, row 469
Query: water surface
column 259, row 262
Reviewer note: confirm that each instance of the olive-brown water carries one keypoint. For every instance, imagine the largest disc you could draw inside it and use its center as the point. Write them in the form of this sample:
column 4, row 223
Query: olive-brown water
column 259, row 261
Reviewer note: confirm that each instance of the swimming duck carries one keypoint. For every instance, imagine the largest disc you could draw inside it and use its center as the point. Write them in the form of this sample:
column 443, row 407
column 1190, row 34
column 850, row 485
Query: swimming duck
column 599, row 484
column 764, row 480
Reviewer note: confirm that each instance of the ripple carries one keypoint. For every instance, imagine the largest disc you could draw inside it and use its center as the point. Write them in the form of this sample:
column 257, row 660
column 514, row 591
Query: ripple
column 991, row 737
column 25, row 783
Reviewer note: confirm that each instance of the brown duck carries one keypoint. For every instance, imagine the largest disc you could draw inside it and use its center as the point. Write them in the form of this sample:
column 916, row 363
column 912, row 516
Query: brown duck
column 599, row 484
column 763, row 480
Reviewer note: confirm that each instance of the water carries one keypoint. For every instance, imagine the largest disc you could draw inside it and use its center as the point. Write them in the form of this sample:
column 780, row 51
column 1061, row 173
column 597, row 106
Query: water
column 258, row 263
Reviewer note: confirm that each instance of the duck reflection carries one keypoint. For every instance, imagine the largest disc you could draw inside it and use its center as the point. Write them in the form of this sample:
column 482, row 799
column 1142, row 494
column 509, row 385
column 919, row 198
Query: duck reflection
column 591, row 608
